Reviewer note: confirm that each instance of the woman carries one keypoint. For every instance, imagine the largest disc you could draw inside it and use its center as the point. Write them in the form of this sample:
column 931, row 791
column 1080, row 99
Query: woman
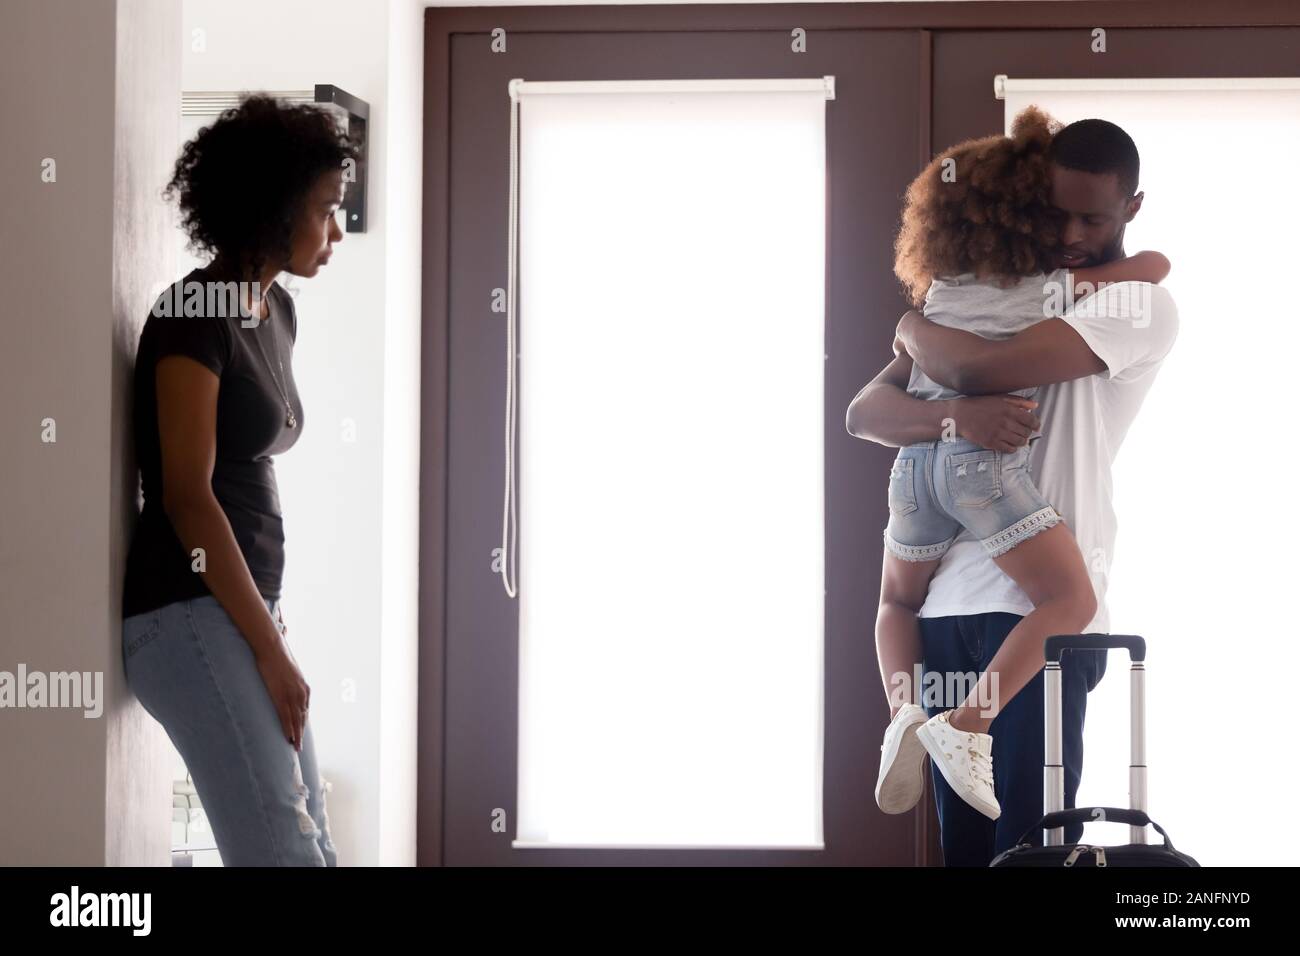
column 203, row 640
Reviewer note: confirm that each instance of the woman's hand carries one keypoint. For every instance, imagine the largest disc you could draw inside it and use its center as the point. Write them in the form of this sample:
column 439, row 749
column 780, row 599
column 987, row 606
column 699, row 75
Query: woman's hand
column 289, row 692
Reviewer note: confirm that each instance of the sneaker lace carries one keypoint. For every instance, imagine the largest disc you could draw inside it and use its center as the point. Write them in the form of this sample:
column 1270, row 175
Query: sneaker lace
column 982, row 766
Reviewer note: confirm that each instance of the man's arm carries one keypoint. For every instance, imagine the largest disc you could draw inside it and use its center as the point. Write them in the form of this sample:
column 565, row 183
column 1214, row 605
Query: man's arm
column 1045, row 353
column 884, row 413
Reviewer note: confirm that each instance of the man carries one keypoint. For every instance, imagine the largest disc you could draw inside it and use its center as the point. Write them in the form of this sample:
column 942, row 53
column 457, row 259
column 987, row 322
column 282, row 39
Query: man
column 1097, row 362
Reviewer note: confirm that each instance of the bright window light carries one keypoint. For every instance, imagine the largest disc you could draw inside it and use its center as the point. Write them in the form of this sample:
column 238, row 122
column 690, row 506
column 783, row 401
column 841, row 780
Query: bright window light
column 1204, row 565
column 671, row 427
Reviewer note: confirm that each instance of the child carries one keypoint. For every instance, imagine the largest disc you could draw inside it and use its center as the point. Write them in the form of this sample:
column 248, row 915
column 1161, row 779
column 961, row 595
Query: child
column 978, row 240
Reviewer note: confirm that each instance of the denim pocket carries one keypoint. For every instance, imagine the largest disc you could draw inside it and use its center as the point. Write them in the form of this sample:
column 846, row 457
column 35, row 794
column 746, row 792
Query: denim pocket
column 1017, row 460
column 974, row 478
column 139, row 629
column 902, row 490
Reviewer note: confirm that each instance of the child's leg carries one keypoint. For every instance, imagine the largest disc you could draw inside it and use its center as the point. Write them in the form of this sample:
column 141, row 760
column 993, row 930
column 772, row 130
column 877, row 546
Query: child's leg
column 1050, row 570
column 903, row 585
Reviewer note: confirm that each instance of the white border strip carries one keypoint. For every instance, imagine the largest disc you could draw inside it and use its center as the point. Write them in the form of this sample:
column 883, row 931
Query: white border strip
column 746, row 847
column 1002, row 84
column 520, row 87
column 517, row 88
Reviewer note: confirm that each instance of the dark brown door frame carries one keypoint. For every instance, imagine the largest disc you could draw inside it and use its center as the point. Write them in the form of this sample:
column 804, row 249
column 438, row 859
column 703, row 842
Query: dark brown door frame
column 948, row 62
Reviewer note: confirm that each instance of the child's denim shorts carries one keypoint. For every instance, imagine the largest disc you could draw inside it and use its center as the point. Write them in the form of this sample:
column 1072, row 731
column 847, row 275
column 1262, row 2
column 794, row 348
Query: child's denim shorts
column 937, row 488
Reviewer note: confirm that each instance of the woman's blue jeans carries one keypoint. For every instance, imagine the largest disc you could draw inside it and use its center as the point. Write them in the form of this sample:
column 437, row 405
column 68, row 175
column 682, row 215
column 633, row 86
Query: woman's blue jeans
column 194, row 672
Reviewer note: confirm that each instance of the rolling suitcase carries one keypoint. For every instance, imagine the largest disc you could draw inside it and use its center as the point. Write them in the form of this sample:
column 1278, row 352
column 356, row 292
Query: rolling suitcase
column 1054, row 851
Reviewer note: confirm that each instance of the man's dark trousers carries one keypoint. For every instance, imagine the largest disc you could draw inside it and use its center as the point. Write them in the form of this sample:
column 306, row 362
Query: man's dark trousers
column 965, row 645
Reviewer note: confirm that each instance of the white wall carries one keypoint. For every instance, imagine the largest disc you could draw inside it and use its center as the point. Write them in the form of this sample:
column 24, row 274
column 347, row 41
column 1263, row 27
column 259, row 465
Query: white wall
column 350, row 506
column 401, row 482
column 93, row 89
column 80, row 260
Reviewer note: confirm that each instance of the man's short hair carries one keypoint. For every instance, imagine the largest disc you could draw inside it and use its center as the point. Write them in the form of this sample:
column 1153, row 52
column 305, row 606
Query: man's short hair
column 1097, row 146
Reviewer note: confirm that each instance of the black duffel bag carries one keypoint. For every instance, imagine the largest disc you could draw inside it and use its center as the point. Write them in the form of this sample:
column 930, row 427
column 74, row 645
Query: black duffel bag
column 1025, row 853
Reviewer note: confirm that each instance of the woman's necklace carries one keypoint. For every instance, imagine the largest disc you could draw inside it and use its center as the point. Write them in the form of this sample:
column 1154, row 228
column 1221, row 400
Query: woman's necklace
column 290, row 419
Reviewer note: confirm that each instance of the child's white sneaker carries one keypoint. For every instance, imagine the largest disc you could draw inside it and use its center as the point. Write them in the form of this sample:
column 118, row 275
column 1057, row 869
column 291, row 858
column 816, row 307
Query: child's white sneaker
column 902, row 762
column 965, row 759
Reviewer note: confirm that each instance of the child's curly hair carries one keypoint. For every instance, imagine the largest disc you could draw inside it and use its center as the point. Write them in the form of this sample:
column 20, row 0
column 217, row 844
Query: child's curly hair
column 241, row 181
column 993, row 217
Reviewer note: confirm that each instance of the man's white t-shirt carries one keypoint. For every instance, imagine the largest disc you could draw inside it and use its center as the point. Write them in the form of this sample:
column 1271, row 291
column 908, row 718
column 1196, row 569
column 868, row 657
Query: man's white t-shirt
column 1130, row 326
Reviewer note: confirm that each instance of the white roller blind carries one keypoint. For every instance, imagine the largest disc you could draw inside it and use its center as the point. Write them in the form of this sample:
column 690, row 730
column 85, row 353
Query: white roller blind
column 1203, row 567
column 670, row 473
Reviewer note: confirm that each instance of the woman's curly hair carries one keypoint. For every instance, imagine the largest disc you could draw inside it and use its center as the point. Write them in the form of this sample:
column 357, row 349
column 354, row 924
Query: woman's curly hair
column 242, row 180
column 993, row 217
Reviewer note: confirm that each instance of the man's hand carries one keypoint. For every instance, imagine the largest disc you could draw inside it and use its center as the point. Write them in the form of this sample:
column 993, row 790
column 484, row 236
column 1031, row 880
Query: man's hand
column 998, row 422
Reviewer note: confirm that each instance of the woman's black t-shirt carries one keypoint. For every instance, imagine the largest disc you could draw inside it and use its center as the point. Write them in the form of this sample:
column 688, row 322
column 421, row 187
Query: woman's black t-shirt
column 251, row 427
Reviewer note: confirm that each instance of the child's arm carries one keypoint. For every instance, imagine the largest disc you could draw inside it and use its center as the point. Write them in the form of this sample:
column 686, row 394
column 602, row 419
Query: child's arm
column 1144, row 266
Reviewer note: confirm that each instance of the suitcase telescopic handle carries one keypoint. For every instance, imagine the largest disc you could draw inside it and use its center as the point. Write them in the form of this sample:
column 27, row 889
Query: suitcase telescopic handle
column 1053, row 646
column 1053, row 753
